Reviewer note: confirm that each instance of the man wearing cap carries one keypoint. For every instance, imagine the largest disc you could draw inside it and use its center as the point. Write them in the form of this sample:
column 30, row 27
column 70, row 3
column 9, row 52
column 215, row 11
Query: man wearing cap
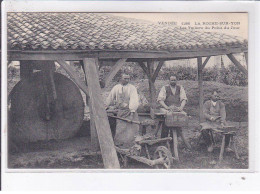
column 124, row 98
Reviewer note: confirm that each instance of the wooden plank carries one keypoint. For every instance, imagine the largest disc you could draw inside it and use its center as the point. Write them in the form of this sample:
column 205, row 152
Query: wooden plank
column 79, row 55
column 200, row 80
column 106, row 143
column 205, row 63
column 119, row 64
column 157, row 70
column 93, row 132
column 237, row 63
column 72, row 73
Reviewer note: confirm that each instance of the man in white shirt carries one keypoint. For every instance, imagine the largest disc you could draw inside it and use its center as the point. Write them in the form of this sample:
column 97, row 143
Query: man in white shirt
column 172, row 98
column 214, row 112
column 124, row 98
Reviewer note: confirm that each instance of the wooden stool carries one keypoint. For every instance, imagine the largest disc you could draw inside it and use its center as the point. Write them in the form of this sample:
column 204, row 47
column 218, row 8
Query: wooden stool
column 225, row 132
column 231, row 141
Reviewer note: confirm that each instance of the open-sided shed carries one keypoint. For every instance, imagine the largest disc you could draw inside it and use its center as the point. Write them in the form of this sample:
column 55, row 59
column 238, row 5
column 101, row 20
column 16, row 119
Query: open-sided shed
column 40, row 39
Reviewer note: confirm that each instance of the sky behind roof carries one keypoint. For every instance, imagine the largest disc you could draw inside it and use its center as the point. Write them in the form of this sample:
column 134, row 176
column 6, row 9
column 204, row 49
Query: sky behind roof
column 214, row 21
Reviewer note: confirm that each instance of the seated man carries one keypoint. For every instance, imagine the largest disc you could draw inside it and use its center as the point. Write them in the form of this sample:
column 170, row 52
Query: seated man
column 172, row 98
column 215, row 114
column 125, row 99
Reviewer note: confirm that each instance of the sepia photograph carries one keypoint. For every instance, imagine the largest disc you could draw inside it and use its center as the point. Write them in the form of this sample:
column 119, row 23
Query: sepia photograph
column 89, row 90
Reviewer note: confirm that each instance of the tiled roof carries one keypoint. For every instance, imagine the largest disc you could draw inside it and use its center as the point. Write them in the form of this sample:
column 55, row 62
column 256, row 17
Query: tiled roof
column 96, row 31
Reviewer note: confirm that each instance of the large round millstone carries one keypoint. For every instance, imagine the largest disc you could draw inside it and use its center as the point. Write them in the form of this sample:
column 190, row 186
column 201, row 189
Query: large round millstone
column 27, row 116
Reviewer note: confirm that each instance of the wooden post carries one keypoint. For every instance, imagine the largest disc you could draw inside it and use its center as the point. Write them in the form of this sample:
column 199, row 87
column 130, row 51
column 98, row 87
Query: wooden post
column 26, row 69
column 152, row 90
column 93, row 132
column 201, row 97
column 106, row 143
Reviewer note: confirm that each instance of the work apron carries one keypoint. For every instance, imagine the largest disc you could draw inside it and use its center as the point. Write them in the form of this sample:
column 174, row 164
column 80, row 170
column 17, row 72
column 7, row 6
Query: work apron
column 125, row 131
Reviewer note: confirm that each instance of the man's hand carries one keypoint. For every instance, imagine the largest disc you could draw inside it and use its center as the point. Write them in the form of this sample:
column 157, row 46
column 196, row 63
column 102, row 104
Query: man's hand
column 222, row 125
column 172, row 108
column 212, row 118
column 175, row 108
column 180, row 108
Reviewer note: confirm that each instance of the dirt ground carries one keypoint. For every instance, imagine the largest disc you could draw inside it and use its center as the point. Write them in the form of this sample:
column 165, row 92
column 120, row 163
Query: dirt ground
column 75, row 154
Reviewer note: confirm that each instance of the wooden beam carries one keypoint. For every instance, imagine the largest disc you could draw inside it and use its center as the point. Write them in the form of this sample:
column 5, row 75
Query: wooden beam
column 157, row 70
column 106, row 143
column 205, row 63
column 79, row 55
column 200, row 83
column 72, row 73
column 237, row 63
column 119, row 64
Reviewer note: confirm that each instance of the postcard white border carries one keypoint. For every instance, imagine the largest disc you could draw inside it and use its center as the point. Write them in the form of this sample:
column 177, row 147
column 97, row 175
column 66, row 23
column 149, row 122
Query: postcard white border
column 138, row 179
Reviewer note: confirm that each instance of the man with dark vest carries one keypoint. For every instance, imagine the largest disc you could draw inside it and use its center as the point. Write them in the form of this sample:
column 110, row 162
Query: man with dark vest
column 172, row 98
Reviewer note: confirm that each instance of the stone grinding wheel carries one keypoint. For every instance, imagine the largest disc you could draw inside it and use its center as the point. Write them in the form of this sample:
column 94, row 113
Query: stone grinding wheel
column 27, row 122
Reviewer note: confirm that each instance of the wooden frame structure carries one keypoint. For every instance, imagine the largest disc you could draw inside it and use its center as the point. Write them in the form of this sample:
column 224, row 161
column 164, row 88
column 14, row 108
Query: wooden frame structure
column 150, row 61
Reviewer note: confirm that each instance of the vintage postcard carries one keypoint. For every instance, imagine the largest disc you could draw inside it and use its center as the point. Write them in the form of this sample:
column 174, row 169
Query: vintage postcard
column 129, row 91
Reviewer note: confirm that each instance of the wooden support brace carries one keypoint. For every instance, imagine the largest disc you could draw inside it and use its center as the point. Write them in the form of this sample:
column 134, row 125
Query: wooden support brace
column 157, row 70
column 119, row 64
column 145, row 69
column 237, row 63
column 106, row 143
column 200, row 80
column 205, row 63
column 72, row 73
